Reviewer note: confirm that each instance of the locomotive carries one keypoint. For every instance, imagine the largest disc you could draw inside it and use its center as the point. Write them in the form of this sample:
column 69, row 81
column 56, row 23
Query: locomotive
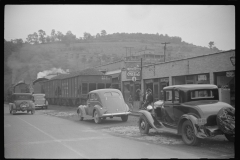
column 71, row 89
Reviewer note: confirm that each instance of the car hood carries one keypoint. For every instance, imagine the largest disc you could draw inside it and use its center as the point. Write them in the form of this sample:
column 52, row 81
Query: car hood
column 208, row 107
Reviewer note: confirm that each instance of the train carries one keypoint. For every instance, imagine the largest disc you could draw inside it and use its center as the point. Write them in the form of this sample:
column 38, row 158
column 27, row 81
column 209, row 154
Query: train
column 71, row 89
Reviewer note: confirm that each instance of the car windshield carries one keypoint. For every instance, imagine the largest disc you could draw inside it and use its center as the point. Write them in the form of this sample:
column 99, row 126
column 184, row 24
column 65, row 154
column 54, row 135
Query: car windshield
column 36, row 97
column 23, row 97
column 207, row 94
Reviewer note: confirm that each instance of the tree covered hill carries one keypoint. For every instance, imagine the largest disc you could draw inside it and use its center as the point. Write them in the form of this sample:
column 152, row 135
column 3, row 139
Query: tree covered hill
column 89, row 51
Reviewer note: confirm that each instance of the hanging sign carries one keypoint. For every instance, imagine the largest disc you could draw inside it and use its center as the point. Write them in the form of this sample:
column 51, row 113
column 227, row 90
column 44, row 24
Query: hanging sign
column 230, row 74
column 134, row 79
column 164, row 80
column 133, row 72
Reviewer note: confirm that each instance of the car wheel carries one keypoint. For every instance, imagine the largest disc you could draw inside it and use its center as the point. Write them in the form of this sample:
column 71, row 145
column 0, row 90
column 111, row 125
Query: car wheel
column 10, row 111
column 97, row 119
column 104, row 118
column 80, row 115
column 33, row 111
column 143, row 125
column 124, row 118
column 230, row 137
column 13, row 112
column 188, row 135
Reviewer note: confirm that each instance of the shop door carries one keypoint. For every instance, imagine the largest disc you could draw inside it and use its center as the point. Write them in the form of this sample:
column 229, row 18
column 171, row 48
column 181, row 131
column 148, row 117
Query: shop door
column 162, row 85
column 155, row 92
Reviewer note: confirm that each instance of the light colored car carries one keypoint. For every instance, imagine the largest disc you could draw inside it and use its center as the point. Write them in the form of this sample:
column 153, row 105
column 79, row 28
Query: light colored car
column 21, row 102
column 103, row 103
column 40, row 101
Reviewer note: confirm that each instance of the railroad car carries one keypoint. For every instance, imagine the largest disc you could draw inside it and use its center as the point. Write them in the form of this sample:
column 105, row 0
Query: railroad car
column 72, row 89
column 38, row 86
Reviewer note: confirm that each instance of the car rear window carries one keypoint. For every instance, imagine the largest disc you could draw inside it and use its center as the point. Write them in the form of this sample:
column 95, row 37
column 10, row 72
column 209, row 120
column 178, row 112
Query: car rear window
column 112, row 94
column 199, row 94
column 23, row 97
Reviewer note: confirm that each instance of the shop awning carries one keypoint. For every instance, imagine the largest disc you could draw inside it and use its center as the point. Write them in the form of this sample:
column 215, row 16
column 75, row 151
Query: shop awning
column 114, row 74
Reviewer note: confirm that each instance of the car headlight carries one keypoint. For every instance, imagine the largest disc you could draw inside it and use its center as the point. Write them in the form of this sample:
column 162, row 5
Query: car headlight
column 149, row 107
column 201, row 121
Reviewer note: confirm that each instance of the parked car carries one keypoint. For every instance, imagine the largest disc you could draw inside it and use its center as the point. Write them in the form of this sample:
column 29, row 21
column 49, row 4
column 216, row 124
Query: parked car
column 103, row 103
column 40, row 101
column 21, row 102
column 192, row 111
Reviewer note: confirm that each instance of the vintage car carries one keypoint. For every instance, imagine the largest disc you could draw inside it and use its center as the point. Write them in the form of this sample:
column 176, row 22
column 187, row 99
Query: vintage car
column 21, row 102
column 192, row 111
column 40, row 101
column 103, row 103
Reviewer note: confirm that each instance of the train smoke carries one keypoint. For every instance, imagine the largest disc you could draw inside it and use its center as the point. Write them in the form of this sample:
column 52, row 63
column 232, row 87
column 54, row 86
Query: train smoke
column 51, row 71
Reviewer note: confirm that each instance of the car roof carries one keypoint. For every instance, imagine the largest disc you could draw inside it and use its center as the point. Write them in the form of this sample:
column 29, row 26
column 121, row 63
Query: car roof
column 22, row 93
column 105, row 90
column 191, row 86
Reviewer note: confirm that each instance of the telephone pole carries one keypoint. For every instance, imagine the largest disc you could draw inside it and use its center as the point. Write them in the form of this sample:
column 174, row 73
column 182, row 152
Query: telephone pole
column 165, row 48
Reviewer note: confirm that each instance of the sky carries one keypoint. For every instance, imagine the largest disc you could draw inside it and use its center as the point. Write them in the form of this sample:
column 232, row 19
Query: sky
column 195, row 24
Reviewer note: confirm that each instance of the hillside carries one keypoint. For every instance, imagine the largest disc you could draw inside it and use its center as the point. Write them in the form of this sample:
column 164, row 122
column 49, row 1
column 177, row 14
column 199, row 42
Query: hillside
column 32, row 59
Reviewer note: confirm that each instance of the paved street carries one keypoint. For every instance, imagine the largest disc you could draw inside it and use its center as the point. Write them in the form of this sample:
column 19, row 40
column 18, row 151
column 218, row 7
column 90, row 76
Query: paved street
column 42, row 136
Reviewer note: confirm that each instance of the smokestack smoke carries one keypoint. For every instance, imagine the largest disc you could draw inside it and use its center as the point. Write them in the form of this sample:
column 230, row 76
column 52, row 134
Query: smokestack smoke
column 51, row 71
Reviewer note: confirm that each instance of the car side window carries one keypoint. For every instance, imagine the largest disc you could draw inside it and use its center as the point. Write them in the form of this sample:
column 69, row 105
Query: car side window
column 176, row 96
column 168, row 95
column 92, row 96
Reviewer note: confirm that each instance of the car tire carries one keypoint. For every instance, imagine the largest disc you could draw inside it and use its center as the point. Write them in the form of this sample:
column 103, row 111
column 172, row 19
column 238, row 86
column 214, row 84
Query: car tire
column 188, row 135
column 124, row 118
column 97, row 119
column 14, row 112
column 80, row 115
column 33, row 111
column 143, row 125
column 230, row 137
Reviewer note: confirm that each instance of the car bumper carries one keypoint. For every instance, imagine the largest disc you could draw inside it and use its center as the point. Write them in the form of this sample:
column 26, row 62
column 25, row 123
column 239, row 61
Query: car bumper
column 115, row 114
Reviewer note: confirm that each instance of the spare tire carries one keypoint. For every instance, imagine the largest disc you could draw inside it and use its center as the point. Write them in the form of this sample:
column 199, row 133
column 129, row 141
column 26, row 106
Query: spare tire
column 226, row 120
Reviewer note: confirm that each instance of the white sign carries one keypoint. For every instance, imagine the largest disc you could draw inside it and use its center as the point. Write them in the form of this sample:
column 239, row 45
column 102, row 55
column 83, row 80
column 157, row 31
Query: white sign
column 134, row 79
column 202, row 77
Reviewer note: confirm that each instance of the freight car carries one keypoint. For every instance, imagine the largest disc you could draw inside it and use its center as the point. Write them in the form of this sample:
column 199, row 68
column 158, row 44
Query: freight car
column 21, row 87
column 72, row 89
column 38, row 85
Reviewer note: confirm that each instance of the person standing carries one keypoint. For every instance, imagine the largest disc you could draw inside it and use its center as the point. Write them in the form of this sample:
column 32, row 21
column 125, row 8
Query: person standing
column 130, row 102
column 149, row 98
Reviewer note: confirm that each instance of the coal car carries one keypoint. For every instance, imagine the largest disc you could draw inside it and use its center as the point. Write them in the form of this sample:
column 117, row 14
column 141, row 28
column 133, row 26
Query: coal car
column 71, row 89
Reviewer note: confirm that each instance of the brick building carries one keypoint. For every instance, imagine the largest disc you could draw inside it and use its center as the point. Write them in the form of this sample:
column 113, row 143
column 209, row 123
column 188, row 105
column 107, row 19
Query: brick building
column 217, row 68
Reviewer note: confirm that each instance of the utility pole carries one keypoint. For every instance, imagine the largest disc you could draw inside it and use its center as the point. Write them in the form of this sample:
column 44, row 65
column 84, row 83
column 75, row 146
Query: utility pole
column 165, row 48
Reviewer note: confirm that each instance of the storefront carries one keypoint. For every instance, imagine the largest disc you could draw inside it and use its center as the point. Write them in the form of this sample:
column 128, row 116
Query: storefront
column 226, row 83
column 202, row 78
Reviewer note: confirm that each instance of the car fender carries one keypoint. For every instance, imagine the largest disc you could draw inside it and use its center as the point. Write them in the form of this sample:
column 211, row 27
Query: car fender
column 151, row 120
column 98, row 109
column 192, row 119
column 12, row 105
column 83, row 111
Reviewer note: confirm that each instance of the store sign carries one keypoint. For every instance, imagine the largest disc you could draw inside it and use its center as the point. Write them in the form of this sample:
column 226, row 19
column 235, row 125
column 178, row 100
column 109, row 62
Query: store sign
column 230, row 74
column 202, row 77
column 105, row 78
column 164, row 80
column 133, row 72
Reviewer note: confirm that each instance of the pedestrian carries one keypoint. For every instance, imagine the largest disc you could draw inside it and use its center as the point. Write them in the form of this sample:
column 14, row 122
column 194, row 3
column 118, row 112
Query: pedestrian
column 148, row 99
column 130, row 102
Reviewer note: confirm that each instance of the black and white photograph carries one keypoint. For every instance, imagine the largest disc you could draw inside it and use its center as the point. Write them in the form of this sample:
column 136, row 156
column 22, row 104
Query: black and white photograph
column 104, row 81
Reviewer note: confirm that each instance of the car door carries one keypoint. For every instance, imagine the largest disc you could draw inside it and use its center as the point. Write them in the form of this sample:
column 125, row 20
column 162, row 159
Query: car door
column 178, row 110
column 168, row 116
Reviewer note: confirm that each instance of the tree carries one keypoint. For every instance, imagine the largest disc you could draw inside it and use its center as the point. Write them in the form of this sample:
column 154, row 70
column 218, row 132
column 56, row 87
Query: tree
column 53, row 35
column 103, row 33
column 86, row 35
column 48, row 39
column 35, row 38
column 97, row 35
column 30, row 38
column 42, row 35
column 60, row 36
column 211, row 44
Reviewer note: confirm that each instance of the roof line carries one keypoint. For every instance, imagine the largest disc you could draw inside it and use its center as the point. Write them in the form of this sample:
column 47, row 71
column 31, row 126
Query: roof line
column 188, row 58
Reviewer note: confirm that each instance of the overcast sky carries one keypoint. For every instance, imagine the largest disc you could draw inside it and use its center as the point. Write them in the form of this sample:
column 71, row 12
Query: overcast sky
column 196, row 24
